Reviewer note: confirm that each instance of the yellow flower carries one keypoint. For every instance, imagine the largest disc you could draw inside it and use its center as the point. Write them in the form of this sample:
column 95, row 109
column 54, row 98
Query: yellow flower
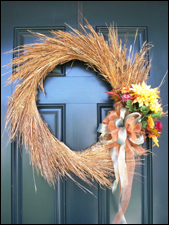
column 150, row 122
column 145, row 95
column 154, row 139
column 155, row 106
column 154, row 131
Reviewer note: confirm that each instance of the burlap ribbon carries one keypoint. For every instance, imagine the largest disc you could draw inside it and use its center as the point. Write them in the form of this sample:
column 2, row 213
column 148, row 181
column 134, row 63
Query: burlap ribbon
column 124, row 137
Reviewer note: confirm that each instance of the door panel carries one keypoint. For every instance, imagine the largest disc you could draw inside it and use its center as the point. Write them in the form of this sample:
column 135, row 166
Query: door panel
column 22, row 36
column 74, row 104
column 44, row 199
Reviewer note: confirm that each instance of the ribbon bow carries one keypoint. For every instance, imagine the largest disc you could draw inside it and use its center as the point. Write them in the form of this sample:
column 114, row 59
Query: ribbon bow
column 124, row 136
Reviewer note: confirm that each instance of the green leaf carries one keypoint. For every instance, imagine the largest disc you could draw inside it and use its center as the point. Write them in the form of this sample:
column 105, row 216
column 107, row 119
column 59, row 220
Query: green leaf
column 130, row 107
column 134, row 107
column 156, row 115
column 144, row 124
column 129, row 102
column 144, row 109
column 145, row 112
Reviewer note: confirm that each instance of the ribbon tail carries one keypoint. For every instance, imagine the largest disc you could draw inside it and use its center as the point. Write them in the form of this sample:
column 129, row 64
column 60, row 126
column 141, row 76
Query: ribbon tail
column 122, row 166
column 130, row 163
column 123, row 220
column 120, row 190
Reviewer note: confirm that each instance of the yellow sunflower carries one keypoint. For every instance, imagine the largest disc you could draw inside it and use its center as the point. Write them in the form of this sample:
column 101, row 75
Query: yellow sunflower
column 145, row 95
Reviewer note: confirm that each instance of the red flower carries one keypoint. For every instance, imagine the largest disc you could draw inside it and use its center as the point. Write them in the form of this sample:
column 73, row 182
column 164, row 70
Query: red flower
column 126, row 96
column 159, row 126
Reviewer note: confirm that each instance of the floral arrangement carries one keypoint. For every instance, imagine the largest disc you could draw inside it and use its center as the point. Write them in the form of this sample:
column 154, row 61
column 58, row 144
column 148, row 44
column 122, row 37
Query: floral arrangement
column 145, row 100
column 137, row 109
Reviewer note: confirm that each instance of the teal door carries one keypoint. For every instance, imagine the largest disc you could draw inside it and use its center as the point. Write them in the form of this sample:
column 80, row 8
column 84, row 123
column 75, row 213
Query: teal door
column 74, row 104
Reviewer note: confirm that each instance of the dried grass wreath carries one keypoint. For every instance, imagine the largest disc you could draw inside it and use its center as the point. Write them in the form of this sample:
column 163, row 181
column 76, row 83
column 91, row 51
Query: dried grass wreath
column 120, row 132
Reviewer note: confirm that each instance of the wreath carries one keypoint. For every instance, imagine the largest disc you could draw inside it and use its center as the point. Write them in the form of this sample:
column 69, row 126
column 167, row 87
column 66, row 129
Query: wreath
column 112, row 159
